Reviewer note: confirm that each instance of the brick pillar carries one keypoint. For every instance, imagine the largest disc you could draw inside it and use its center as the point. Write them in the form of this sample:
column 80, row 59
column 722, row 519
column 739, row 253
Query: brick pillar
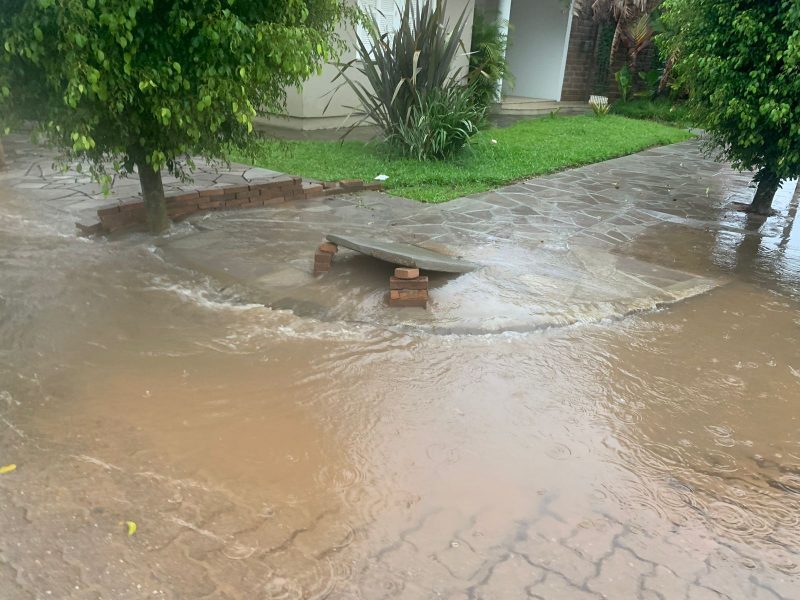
column 323, row 257
column 408, row 288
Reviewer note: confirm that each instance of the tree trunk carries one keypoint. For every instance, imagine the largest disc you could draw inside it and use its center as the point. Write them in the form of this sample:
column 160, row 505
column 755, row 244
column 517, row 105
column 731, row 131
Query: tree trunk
column 155, row 205
column 762, row 201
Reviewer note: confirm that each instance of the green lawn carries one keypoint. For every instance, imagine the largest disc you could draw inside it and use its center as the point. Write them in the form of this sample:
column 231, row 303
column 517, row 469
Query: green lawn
column 528, row 148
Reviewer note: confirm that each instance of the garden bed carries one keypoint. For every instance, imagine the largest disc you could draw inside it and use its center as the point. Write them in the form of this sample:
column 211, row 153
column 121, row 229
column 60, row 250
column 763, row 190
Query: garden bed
column 662, row 110
column 496, row 157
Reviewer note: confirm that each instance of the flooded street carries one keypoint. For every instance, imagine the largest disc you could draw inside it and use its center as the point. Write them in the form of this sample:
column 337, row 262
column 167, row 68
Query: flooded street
column 584, row 418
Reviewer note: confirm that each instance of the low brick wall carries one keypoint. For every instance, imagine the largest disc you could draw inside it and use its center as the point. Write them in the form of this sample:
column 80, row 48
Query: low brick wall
column 128, row 213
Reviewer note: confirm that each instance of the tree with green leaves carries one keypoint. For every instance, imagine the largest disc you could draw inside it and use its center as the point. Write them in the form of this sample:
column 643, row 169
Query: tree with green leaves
column 740, row 59
column 149, row 84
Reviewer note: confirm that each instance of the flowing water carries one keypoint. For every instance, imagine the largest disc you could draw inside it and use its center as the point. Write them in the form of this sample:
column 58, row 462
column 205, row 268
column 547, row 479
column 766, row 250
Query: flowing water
column 287, row 452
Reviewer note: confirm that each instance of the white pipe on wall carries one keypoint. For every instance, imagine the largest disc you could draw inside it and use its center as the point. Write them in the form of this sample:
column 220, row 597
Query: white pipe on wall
column 503, row 17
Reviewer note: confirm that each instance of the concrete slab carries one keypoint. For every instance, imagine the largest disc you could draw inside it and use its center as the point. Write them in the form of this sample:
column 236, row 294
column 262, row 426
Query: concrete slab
column 406, row 255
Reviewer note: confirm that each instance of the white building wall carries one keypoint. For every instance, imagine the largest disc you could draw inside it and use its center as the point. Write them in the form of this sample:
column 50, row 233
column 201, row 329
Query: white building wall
column 538, row 48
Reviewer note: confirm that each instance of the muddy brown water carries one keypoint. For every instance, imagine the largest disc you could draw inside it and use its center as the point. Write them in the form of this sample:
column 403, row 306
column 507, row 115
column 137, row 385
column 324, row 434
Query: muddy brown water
column 274, row 454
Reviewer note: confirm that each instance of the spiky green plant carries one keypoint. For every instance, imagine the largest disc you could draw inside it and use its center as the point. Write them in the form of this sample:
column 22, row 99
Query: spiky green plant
column 441, row 123
column 399, row 68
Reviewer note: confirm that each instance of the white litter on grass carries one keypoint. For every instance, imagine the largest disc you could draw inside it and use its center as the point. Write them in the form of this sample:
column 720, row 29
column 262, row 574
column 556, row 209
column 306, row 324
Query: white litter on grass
column 494, row 141
column 381, row 177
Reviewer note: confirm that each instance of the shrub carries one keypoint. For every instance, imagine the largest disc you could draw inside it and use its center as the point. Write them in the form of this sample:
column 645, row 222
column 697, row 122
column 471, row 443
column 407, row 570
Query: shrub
column 740, row 60
column 441, row 123
column 407, row 73
column 651, row 82
column 624, row 82
column 487, row 60
column 660, row 109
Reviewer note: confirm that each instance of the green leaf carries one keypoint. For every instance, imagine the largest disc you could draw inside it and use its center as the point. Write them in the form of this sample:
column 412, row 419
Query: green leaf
column 131, row 527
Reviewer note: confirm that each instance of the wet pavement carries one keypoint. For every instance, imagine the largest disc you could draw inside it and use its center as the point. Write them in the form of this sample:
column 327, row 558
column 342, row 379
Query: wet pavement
column 608, row 408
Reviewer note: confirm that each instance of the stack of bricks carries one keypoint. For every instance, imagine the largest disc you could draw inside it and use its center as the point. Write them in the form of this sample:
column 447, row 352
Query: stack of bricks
column 408, row 288
column 255, row 194
column 323, row 257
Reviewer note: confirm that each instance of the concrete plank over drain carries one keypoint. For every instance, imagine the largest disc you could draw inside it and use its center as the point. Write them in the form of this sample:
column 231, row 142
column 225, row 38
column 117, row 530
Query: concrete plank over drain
column 405, row 255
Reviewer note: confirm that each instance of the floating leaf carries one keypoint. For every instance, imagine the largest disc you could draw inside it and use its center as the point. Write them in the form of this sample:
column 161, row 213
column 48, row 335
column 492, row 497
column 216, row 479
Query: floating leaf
column 130, row 526
column 7, row 469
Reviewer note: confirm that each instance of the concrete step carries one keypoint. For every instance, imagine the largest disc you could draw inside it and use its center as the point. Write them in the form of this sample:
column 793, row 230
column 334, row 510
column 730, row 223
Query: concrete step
column 539, row 108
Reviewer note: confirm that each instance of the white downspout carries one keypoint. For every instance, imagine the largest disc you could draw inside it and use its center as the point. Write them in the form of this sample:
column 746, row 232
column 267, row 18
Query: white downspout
column 503, row 18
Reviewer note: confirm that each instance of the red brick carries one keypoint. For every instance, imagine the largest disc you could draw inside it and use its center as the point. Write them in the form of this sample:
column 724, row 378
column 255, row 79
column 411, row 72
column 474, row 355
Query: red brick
column 408, row 294
column 328, row 248
column 320, row 256
column 179, row 215
column 108, row 209
column 406, row 273
column 411, row 303
column 248, row 194
column 131, row 205
column 284, row 181
column 235, row 189
column 420, row 283
column 313, row 190
column 137, row 210
column 87, row 229
column 114, row 222
column 210, row 204
column 351, row 183
column 271, row 192
column 189, row 197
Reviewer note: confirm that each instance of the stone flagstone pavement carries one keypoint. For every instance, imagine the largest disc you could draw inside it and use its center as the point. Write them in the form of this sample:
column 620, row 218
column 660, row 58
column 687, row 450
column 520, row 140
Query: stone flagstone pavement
column 549, row 246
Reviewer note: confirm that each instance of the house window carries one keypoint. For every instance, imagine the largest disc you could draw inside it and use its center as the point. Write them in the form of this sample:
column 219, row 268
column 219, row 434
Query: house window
column 387, row 14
